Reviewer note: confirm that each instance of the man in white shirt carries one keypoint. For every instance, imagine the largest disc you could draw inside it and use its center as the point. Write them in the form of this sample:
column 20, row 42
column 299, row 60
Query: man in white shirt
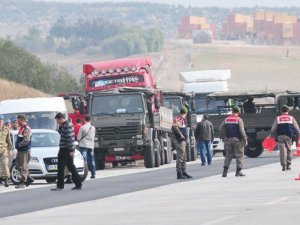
column 86, row 138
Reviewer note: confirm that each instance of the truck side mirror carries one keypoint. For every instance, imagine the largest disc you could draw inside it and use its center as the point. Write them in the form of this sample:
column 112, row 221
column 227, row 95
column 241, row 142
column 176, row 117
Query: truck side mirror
column 75, row 103
column 156, row 102
column 193, row 103
column 81, row 108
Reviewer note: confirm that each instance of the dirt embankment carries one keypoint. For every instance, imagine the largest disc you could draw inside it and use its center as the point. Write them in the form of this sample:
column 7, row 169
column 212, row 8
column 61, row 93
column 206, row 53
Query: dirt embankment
column 11, row 90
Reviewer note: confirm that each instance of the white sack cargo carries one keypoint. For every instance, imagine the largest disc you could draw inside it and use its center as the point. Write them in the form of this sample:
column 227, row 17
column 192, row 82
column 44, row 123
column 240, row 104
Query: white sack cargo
column 205, row 76
column 205, row 87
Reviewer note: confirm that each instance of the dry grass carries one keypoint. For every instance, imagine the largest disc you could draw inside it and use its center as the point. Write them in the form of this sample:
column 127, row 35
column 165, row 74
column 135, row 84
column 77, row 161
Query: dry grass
column 11, row 90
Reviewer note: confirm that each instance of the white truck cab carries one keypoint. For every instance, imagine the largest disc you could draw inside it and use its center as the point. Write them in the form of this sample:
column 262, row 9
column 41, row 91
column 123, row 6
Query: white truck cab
column 40, row 111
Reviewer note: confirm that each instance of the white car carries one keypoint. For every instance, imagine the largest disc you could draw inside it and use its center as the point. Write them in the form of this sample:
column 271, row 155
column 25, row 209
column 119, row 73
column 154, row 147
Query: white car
column 43, row 160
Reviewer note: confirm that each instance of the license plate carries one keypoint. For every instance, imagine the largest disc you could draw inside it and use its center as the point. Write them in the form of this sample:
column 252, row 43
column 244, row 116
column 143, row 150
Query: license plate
column 52, row 167
column 118, row 149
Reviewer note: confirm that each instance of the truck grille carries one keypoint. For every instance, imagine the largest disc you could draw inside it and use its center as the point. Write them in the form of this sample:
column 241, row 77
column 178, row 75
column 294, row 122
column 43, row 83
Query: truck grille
column 117, row 133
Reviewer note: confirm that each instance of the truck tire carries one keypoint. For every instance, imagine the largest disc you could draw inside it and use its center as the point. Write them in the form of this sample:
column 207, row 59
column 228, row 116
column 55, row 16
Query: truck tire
column 100, row 160
column 157, row 154
column 193, row 149
column 149, row 156
column 254, row 149
column 162, row 150
column 168, row 153
column 188, row 152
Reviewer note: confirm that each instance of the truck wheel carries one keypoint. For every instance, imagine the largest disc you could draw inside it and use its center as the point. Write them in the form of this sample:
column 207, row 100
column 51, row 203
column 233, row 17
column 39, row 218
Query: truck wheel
column 254, row 149
column 149, row 156
column 188, row 152
column 168, row 153
column 14, row 174
column 85, row 174
column 157, row 154
column 100, row 160
column 162, row 151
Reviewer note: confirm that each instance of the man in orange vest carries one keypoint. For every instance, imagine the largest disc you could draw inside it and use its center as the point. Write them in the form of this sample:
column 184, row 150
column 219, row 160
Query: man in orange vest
column 233, row 133
column 283, row 129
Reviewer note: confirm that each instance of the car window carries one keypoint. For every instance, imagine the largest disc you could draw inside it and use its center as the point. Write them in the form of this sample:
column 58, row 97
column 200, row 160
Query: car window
column 44, row 139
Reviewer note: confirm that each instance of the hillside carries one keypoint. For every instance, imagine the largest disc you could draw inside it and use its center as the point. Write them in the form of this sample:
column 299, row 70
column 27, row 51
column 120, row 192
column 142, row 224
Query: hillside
column 252, row 67
column 12, row 90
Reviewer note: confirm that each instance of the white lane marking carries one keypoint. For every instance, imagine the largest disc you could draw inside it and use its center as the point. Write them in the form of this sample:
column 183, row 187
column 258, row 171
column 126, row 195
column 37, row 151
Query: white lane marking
column 219, row 220
column 277, row 201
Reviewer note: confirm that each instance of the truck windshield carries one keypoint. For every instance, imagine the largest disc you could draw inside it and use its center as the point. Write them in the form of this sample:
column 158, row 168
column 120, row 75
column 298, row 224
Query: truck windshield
column 117, row 104
column 174, row 104
column 37, row 120
column 202, row 105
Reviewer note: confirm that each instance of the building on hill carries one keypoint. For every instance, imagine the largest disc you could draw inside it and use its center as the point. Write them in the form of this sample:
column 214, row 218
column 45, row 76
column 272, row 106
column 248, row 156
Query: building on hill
column 237, row 27
column 194, row 24
column 275, row 28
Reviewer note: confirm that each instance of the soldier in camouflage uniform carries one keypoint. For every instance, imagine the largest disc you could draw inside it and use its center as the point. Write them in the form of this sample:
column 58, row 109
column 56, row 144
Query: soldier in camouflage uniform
column 233, row 133
column 5, row 151
column 180, row 136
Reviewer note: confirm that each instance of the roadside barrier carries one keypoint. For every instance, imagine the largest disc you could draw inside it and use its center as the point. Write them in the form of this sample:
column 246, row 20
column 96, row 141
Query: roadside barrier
column 297, row 153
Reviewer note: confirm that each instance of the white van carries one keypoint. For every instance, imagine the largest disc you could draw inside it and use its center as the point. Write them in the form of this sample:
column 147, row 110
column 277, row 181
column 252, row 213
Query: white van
column 40, row 111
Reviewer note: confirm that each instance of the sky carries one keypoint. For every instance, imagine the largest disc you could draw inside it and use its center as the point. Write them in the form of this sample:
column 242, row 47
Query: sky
column 206, row 3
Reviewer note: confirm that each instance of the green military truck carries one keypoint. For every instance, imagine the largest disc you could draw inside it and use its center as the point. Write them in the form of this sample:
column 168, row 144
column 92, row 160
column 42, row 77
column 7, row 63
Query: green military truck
column 258, row 123
column 131, row 125
column 175, row 101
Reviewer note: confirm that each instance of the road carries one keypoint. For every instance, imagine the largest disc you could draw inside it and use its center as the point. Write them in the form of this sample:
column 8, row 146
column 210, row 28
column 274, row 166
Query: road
column 136, row 180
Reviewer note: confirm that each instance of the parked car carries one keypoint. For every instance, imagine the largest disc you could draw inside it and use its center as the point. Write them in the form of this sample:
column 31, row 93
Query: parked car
column 43, row 160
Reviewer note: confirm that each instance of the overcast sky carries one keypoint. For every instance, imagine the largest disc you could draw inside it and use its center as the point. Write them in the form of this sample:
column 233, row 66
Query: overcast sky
column 200, row 3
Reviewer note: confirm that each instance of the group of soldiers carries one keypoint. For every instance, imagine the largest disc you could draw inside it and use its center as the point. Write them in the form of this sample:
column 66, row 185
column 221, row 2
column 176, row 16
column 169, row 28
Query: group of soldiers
column 232, row 132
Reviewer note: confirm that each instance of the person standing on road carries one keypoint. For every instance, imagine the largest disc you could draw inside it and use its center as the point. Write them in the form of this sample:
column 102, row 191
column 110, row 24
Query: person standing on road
column 233, row 133
column 66, row 153
column 5, row 151
column 204, row 137
column 283, row 129
column 180, row 136
column 86, row 139
column 77, row 127
column 23, row 146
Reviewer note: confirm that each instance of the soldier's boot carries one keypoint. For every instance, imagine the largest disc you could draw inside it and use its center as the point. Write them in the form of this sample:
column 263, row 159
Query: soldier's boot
column 283, row 168
column 288, row 167
column 180, row 176
column 29, row 181
column 6, row 183
column 239, row 173
column 184, row 173
column 225, row 170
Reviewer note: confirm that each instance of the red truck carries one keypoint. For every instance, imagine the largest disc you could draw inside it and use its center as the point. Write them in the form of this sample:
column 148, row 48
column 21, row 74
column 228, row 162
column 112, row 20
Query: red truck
column 125, row 105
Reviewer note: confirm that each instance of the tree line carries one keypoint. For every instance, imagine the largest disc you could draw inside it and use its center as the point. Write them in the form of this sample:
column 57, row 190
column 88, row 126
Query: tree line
column 24, row 68
column 94, row 36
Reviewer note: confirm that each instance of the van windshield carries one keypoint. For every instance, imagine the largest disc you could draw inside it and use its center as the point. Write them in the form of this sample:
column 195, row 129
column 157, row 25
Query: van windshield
column 37, row 120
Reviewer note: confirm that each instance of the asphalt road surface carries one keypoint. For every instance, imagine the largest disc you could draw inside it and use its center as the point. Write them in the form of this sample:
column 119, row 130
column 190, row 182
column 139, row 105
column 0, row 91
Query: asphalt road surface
column 30, row 200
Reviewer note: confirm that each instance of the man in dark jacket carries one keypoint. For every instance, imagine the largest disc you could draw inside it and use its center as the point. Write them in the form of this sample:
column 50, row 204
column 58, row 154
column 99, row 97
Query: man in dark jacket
column 205, row 137
column 66, row 153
